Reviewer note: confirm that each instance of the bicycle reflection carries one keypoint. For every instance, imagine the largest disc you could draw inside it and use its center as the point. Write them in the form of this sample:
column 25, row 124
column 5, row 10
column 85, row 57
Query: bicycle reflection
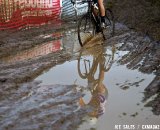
column 93, row 69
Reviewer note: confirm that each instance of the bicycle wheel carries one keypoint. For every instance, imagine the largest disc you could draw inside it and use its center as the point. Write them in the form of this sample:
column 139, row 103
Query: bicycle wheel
column 110, row 23
column 84, row 66
column 108, row 60
column 87, row 65
column 86, row 29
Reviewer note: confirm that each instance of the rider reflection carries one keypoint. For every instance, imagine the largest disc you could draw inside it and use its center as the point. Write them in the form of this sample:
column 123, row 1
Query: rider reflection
column 101, row 63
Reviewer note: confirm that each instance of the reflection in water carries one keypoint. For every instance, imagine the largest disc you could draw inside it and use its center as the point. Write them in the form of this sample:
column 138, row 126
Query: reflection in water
column 87, row 68
column 20, row 13
column 40, row 50
column 121, row 106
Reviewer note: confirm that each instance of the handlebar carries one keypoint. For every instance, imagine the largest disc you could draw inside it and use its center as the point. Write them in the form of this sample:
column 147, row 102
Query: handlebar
column 80, row 1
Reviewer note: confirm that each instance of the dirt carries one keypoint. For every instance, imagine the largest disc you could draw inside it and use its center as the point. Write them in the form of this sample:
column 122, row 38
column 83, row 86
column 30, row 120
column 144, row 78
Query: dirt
column 142, row 16
column 41, row 107
column 144, row 55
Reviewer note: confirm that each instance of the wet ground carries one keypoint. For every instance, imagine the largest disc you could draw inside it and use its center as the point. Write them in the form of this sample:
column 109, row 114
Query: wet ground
column 47, row 81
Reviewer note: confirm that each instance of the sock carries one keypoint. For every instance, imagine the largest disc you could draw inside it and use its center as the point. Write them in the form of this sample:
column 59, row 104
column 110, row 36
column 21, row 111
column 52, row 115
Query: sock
column 103, row 19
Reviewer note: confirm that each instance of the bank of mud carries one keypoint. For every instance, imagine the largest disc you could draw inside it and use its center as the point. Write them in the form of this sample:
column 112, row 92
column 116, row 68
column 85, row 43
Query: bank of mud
column 35, row 107
column 15, row 40
column 144, row 55
column 142, row 16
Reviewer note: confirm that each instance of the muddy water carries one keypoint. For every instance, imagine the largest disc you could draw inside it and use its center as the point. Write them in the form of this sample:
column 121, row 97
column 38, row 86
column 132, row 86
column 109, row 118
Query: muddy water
column 55, row 86
column 125, row 88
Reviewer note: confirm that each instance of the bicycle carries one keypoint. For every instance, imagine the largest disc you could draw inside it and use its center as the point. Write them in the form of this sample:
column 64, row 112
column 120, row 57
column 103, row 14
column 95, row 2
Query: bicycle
column 88, row 64
column 89, row 25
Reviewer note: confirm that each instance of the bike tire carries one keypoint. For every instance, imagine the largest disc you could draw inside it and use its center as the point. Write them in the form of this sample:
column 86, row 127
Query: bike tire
column 86, row 29
column 83, row 74
column 87, row 66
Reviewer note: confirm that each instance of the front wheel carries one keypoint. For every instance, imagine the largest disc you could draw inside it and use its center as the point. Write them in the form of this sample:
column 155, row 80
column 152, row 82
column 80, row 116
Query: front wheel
column 86, row 29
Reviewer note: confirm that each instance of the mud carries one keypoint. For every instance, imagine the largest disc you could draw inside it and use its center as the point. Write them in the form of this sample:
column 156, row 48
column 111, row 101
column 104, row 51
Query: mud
column 142, row 16
column 41, row 107
column 28, row 104
column 144, row 55
column 12, row 41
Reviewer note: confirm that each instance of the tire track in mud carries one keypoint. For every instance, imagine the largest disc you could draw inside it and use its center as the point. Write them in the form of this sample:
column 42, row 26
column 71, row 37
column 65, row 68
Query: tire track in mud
column 144, row 55
column 42, row 107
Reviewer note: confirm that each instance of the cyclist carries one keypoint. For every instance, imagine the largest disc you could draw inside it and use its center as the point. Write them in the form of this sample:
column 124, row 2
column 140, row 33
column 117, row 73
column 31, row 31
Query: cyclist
column 102, row 11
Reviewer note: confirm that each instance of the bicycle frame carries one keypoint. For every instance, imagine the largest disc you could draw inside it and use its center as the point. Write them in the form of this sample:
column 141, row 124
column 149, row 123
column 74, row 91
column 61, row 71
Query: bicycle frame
column 90, row 22
column 90, row 7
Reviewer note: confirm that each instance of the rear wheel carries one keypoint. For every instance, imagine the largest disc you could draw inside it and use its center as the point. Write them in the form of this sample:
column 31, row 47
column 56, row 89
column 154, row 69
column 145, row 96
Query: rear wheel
column 86, row 29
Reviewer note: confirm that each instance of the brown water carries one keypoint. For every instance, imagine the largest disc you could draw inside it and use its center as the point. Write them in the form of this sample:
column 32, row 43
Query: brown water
column 125, row 87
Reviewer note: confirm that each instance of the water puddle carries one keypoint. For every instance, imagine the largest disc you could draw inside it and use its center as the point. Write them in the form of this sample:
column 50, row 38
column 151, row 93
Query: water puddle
column 37, row 51
column 94, row 84
column 120, row 90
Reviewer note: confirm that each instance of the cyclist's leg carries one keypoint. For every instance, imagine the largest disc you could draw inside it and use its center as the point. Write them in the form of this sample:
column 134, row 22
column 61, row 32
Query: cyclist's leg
column 101, row 7
column 102, row 12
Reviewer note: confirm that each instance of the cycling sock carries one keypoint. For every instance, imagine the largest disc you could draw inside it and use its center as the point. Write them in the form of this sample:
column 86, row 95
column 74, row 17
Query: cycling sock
column 103, row 19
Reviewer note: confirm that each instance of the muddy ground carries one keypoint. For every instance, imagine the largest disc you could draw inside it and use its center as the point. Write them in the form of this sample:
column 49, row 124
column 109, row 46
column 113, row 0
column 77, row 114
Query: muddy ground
column 143, row 16
column 25, row 104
